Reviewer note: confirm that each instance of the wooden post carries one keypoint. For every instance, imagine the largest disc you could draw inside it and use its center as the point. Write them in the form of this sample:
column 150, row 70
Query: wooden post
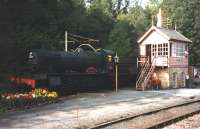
column 116, row 77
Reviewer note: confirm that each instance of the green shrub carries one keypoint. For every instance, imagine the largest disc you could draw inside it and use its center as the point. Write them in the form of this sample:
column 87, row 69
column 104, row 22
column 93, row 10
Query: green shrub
column 8, row 88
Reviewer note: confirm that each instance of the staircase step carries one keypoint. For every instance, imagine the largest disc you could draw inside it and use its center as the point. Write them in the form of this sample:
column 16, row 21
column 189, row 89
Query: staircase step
column 139, row 88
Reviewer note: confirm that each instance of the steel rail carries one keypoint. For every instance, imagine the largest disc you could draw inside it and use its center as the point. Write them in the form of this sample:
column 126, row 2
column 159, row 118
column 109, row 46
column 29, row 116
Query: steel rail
column 123, row 119
column 173, row 120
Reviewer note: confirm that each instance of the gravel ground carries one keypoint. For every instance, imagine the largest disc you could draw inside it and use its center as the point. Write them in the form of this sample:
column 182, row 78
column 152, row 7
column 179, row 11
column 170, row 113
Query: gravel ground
column 150, row 120
column 89, row 109
column 192, row 122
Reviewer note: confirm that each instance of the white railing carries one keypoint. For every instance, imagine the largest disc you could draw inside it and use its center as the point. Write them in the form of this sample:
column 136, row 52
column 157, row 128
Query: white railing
column 141, row 74
column 151, row 70
column 143, row 80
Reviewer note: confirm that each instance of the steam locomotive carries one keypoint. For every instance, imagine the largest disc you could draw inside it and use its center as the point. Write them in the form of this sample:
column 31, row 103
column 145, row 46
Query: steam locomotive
column 83, row 60
column 72, row 68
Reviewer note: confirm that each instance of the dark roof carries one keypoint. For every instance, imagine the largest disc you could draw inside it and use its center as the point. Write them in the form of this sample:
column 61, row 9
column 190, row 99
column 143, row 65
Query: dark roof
column 169, row 34
column 173, row 34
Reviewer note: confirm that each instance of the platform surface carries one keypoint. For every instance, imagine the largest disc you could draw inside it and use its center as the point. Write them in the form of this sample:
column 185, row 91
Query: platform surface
column 87, row 109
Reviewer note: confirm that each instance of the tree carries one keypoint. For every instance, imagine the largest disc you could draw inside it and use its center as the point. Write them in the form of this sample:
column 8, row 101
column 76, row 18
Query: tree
column 140, row 18
column 186, row 15
column 111, row 7
column 122, row 38
column 99, row 21
column 128, row 29
column 28, row 24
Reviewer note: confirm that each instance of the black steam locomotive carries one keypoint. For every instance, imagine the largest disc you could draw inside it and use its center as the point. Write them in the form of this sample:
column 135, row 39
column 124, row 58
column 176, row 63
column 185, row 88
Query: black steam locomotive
column 54, row 68
column 84, row 60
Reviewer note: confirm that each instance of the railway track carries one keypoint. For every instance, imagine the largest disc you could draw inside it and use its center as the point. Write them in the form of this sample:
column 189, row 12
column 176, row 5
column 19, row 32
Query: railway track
column 157, row 118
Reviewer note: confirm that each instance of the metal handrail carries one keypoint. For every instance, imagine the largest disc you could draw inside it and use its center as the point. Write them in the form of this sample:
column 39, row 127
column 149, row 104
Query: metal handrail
column 90, row 46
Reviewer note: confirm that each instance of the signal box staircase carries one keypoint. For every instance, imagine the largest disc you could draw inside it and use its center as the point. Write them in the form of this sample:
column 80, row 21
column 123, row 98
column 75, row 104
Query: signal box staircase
column 144, row 75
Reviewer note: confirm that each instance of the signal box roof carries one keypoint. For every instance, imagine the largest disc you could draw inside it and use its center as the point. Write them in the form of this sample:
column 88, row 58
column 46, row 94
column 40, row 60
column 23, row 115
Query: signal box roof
column 169, row 34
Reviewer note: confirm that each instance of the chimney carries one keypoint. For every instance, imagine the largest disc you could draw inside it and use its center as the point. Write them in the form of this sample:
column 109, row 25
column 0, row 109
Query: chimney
column 159, row 19
column 175, row 26
column 152, row 22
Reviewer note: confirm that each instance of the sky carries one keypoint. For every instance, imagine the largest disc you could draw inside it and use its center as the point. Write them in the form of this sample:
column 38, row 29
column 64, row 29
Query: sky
column 144, row 3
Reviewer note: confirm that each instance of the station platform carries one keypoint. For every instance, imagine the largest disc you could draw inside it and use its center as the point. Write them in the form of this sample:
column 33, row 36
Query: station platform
column 87, row 109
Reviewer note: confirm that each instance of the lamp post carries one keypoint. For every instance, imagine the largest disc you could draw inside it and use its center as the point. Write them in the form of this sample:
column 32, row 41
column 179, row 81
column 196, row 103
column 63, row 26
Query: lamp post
column 116, row 59
column 187, row 78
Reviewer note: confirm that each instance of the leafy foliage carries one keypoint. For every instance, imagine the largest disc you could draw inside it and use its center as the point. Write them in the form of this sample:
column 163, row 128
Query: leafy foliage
column 186, row 15
column 122, row 38
column 28, row 24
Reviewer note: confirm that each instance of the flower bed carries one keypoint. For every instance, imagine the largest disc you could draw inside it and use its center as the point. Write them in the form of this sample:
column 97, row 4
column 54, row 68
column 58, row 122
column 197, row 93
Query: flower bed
column 18, row 100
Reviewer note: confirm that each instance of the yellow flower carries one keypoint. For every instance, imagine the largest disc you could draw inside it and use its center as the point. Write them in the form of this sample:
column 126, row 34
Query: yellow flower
column 52, row 94
column 8, row 97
